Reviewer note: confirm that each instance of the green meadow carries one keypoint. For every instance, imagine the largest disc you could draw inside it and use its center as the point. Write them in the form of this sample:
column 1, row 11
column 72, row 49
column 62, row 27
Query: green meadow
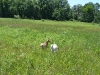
column 20, row 52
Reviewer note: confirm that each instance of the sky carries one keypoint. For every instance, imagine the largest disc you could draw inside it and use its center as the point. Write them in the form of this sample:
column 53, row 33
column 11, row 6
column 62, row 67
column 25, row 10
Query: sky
column 83, row 2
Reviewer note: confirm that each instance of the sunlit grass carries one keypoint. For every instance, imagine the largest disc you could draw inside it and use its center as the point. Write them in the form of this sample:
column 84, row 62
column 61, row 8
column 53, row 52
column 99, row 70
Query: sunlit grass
column 20, row 54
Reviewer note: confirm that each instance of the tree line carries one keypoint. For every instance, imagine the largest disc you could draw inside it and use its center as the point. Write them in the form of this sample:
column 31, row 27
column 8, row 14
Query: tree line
column 50, row 9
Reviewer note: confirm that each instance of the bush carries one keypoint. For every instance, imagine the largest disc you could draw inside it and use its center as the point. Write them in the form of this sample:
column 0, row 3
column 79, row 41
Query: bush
column 71, row 19
column 16, row 16
column 42, row 20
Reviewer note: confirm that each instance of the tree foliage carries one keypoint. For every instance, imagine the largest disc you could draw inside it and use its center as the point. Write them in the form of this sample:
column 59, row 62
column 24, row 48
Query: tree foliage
column 0, row 7
column 50, row 9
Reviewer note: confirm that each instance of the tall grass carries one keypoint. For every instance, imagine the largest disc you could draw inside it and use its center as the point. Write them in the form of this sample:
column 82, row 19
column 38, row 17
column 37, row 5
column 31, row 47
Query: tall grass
column 20, row 54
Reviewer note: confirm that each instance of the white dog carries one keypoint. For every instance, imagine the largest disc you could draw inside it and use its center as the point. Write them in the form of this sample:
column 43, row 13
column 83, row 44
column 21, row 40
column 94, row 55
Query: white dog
column 54, row 47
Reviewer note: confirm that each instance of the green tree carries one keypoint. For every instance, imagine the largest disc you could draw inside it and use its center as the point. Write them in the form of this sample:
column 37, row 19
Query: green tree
column 32, row 9
column 20, row 7
column 5, row 8
column 28, row 9
column 46, row 8
column 0, row 8
column 13, row 8
column 97, row 12
column 36, row 14
column 61, row 10
column 77, row 12
column 88, row 12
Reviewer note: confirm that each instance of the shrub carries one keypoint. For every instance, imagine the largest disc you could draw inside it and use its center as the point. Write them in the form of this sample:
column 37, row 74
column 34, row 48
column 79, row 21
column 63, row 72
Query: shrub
column 42, row 20
column 16, row 16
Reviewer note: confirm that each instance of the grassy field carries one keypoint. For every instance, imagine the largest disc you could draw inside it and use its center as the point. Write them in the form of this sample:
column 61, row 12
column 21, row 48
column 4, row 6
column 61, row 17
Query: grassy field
column 20, row 53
